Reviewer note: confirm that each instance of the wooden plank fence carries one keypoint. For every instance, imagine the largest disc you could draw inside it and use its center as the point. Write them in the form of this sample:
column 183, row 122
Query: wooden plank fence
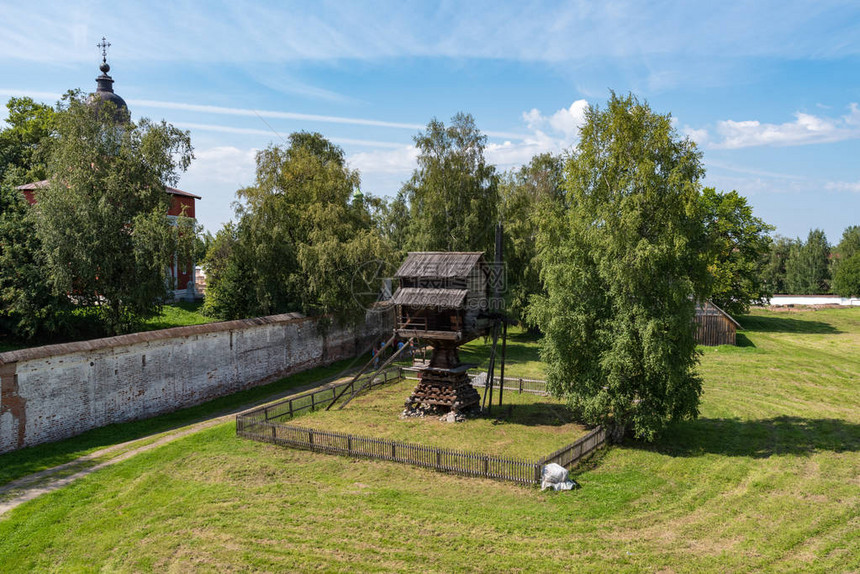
column 518, row 384
column 265, row 424
column 444, row 460
column 568, row 455
column 318, row 399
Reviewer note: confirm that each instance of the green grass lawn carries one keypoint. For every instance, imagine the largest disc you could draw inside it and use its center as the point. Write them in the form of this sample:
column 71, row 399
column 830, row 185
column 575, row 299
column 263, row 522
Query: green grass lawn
column 766, row 479
column 522, row 355
column 179, row 314
column 536, row 427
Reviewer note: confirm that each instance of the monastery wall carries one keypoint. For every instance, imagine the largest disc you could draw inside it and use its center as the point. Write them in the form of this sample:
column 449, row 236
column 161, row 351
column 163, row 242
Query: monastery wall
column 57, row 391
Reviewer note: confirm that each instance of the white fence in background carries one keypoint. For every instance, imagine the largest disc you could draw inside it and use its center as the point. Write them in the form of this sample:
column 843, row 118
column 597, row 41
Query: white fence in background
column 779, row 300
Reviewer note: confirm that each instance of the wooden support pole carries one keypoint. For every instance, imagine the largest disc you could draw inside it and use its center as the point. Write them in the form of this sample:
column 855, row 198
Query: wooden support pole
column 502, row 373
column 491, row 369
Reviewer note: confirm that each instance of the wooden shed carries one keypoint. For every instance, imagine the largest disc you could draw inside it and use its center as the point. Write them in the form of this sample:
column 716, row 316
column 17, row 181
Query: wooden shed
column 714, row 326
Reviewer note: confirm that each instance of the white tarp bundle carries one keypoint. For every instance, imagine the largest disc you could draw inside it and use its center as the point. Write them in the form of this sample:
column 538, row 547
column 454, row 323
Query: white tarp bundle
column 556, row 477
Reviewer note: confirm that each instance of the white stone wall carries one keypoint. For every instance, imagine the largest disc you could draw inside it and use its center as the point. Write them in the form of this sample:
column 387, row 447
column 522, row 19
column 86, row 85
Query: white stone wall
column 54, row 392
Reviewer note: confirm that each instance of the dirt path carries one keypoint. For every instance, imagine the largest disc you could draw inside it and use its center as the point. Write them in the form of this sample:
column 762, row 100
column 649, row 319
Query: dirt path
column 21, row 490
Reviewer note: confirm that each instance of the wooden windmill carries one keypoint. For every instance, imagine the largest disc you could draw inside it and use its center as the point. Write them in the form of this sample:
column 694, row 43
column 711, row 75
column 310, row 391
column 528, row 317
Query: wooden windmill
column 442, row 300
column 445, row 301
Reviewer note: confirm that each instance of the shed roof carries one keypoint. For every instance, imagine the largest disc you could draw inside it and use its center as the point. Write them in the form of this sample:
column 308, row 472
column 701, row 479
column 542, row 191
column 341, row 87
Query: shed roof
column 708, row 308
column 174, row 191
column 425, row 297
column 439, row 264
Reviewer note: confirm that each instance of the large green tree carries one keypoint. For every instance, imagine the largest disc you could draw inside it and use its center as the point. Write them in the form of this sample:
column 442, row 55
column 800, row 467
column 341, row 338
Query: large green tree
column 391, row 218
column 524, row 194
column 846, row 279
column 846, row 263
column 623, row 264
column 26, row 141
column 28, row 305
column 101, row 221
column 807, row 271
column 848, row 245
column 453, row 194
column 228, row 295
column 739, row 244
column 301, row 239
column 773, row 271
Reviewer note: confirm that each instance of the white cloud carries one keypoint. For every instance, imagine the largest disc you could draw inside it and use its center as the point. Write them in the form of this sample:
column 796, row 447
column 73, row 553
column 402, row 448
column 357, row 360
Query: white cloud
column 719, row 165
column 805, row 129
column 223, row 165
column 850, row 186
column 397, row 161
column 512, row 155
column 247, row 112
column 280, row 136
column 700, row 136
column 509, row 154
column 566, row 121
column 853, row 117
column 215, row 174
column 43, row 96
column 554, row 134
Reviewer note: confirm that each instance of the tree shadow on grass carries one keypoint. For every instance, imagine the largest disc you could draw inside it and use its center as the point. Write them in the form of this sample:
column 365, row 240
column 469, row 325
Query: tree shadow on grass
column 533, row 414
column 759, row 438
column 786, row 325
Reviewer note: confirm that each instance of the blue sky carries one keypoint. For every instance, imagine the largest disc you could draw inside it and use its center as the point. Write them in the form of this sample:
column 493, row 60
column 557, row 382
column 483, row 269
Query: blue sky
column 769, row 90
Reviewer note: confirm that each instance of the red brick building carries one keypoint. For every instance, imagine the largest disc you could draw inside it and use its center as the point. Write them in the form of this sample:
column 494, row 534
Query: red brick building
column 182, row 275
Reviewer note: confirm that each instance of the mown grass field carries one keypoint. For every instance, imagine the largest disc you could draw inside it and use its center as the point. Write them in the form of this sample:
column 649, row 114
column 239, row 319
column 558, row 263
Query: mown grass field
column 527, row 426
column 767, row 479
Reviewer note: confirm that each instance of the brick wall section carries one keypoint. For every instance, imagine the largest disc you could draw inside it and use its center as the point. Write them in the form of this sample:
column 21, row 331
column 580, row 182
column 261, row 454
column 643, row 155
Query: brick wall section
column 57, row 391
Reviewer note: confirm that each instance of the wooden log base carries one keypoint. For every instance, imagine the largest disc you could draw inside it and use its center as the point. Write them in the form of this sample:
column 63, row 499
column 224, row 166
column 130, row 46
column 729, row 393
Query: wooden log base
column 443, row 391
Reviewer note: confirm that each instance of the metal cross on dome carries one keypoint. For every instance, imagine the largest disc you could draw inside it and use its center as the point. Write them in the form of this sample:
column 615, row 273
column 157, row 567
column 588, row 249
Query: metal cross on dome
column 104, row 45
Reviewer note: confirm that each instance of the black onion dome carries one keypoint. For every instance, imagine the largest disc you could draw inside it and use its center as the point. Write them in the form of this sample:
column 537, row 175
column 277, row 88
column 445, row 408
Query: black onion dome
column 104, row 93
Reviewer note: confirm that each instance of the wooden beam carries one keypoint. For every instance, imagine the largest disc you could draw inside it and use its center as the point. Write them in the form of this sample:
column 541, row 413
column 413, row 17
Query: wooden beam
column 372, row 375
column 502, row 374
column 361, row 372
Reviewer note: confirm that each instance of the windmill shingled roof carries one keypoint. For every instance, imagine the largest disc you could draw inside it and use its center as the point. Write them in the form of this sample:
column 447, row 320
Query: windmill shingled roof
column 440, row 264
column 426, row 297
